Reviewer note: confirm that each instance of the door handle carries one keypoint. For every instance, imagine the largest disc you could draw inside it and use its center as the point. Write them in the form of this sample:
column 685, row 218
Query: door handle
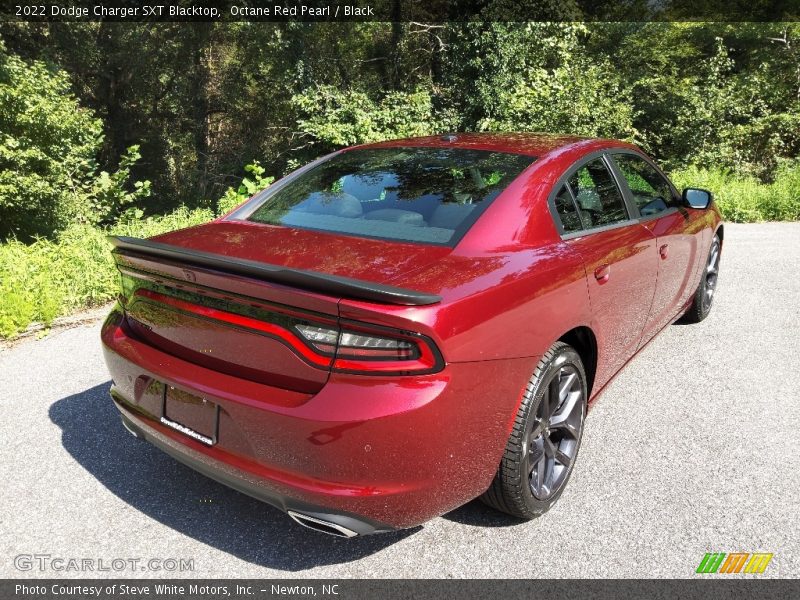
column 602, row 273
column 664, row 251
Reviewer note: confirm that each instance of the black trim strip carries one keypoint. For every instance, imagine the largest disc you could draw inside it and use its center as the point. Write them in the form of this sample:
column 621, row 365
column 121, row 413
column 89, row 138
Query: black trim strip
column 584, row 232
column 321, row 282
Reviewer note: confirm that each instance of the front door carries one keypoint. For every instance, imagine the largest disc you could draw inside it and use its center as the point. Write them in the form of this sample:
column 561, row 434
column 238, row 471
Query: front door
column 663, row 215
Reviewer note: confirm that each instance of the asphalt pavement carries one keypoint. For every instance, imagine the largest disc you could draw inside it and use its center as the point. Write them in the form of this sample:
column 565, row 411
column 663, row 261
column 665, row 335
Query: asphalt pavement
column 694, row 448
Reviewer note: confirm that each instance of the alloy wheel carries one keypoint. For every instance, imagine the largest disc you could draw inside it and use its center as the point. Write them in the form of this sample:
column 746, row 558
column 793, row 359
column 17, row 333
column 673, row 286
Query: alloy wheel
column 711, row 275
column 556, row 433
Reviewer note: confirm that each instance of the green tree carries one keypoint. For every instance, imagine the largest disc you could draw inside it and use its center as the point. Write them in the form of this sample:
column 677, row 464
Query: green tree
column 335, row 118
column 49, row 146
column 536, row 77
column 710, row 94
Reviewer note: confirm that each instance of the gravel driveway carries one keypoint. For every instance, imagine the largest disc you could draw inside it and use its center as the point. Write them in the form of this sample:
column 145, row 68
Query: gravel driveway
column 694, row 448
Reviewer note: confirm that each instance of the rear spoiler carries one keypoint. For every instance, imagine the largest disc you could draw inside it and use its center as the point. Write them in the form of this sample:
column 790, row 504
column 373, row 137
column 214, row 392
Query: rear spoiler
column 321, row 282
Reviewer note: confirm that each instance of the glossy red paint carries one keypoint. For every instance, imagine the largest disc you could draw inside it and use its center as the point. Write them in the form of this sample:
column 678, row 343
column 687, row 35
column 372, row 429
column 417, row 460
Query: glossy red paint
column 239, row 321
column 394, row 451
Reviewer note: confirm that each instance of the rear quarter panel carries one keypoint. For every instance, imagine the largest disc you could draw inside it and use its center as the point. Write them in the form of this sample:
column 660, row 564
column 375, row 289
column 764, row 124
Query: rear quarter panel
column 496, row 306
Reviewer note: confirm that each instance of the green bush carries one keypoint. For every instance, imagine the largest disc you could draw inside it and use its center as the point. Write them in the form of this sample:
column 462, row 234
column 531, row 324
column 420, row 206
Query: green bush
column 744, row 199
column 48, row 147
column 538, row 77
column 233, row 198
column 48, row 278
column 108, row 196
column 338, row 118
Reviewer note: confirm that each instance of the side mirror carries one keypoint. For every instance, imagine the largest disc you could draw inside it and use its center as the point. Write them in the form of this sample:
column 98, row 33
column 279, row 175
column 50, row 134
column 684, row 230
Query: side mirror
column 697, row 198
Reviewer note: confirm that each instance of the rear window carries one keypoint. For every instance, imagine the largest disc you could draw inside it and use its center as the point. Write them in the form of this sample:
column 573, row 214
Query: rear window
column 426, row 195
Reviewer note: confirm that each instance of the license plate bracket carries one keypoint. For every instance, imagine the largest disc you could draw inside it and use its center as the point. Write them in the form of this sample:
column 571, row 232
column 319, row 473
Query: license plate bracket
column 192, row 415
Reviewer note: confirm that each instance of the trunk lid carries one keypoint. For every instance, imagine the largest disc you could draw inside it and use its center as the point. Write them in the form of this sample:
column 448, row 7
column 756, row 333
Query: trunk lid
column 374, row 260
column 229, row 296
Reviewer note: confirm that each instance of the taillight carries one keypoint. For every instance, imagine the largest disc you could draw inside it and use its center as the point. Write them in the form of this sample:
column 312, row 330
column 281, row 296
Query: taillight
column 322, row 339
column 346, row 346
column 360, row 349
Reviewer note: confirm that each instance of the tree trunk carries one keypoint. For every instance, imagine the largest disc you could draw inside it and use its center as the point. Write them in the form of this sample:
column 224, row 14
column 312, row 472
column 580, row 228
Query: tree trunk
column 199, row 86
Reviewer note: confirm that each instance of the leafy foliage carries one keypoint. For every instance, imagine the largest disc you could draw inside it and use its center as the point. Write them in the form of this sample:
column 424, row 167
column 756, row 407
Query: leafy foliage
column 744, row 199
column 202, row 99
column 48, row 150
column 249, row 187
column 48, row 278
column 710, row 94
column 539, row 77
column 108, row 196
column 336, row 118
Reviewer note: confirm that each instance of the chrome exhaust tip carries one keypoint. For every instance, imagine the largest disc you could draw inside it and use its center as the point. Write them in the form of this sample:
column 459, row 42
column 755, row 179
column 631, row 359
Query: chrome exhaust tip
column 131, row 429
column 321, row 525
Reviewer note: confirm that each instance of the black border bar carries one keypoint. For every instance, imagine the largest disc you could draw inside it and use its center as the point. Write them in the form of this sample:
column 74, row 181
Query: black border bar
column 420, row 11
column 697, row 588
column 333, row 285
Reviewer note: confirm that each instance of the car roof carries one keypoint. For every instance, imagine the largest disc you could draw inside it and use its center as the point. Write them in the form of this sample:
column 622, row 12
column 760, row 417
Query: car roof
column 530, row 144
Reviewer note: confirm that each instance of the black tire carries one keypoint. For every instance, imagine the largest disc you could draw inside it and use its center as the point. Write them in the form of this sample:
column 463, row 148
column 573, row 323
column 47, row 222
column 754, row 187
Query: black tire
column 706, row 290
column 513, row 488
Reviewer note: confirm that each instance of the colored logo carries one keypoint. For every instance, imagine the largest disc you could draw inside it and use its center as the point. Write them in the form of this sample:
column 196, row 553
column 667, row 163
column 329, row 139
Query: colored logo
column 735, row 562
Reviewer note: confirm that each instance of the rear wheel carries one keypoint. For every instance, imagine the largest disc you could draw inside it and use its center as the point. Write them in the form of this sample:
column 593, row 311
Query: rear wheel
column 544, row 443
column 706, row 289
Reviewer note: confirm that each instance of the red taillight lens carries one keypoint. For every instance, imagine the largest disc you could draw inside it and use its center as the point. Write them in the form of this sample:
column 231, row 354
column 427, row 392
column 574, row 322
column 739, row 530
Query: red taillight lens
column 366, row 351
column 276, row 330
column 349, row 346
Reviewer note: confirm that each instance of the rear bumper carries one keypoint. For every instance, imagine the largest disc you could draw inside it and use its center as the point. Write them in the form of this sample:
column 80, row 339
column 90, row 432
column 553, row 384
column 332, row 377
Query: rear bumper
column 222, row 473
column 370, row 453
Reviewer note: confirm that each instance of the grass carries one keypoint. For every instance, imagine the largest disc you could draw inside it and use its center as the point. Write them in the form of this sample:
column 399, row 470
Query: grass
column 745, row 199
column 47, row 279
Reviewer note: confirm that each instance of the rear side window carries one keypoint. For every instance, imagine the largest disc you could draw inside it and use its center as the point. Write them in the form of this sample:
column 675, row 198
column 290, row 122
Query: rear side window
column 597, row 196
column 567, row 211
column 426, row 195
column 650, row 190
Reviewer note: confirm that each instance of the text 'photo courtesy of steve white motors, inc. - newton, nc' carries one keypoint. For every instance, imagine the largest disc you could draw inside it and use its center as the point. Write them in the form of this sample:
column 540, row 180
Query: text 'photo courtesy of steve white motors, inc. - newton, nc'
column 299, row 11
column 142, row 589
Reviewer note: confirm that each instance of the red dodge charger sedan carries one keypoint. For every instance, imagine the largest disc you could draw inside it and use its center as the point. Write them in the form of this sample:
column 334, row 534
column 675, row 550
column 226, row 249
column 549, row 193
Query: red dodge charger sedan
column 400, row 327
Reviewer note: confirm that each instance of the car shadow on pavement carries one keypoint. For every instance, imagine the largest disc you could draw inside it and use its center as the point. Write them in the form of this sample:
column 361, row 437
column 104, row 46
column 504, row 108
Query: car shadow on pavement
column 171, row 493
column 477, row 514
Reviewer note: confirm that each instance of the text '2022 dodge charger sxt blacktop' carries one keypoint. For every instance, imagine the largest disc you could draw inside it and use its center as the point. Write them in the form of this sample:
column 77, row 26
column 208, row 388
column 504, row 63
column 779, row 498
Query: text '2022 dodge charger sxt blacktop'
column 398, row 328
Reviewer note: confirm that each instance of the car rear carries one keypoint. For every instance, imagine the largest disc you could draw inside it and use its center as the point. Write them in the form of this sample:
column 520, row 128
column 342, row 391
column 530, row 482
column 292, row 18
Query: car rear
column 228, row 349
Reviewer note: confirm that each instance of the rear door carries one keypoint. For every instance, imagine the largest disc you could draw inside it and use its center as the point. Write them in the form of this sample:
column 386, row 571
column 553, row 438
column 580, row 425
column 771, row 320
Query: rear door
column 660, row 211
column 619, row 255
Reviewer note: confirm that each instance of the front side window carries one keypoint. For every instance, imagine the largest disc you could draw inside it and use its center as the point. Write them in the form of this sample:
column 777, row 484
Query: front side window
column 596, row 193
column 427, row 195
column 651, row 192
